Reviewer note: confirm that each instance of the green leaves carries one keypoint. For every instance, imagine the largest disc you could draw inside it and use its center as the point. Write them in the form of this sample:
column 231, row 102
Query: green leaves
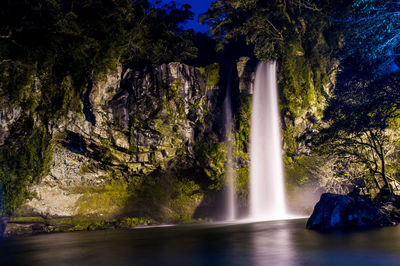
column 50, row 50
column 158, row 37
column 211, row 157
column 268, row 25
column 81, row 39
column 373, row 33
column 23, row 164
column 361, row 117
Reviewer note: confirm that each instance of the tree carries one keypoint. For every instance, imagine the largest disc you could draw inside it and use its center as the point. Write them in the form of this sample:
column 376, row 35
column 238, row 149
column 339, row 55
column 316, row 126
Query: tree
column 298, row 34
column 359, row 119
column 51, row 50
column 78, row 40
column 373, row 33
column 270, row 25
column 157, row 36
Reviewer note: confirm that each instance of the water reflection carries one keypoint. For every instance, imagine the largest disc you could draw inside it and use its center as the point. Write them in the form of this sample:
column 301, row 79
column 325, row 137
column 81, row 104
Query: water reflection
column 268, row 243
column 272, row 244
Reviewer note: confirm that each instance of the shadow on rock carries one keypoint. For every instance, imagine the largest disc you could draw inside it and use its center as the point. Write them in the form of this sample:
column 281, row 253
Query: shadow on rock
column 335, row 212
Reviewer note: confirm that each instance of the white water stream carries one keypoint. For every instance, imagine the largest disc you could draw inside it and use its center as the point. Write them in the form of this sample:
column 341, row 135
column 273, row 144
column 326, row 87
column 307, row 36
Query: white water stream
column 267, row 193
column 229, row 176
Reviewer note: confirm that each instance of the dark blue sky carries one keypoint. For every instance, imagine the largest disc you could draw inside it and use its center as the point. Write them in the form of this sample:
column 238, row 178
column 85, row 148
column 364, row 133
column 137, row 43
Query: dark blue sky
column 198, row 7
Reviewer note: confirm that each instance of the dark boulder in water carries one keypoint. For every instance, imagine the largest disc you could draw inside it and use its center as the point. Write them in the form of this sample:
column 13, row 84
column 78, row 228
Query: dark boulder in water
column 347, row 212
column 3, row 224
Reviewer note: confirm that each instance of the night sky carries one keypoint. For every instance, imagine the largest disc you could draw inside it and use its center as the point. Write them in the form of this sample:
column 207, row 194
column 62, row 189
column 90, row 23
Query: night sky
column 198, row 7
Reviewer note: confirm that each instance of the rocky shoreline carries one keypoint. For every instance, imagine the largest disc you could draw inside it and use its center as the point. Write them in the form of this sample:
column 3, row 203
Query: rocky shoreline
column 349, row 212
column 15, row 227
column 333, row 212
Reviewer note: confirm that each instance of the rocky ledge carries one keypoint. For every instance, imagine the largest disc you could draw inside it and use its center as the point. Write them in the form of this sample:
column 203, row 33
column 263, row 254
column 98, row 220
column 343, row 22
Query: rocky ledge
column 14, row 227
column 336, row 212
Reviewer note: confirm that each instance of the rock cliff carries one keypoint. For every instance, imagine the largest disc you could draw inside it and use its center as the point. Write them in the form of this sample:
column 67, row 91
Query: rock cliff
column 141, row 143
column 128, row 149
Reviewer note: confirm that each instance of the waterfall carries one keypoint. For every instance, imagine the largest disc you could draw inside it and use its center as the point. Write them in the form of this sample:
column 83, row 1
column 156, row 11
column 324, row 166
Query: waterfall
column 229, row 176
column 267, row 193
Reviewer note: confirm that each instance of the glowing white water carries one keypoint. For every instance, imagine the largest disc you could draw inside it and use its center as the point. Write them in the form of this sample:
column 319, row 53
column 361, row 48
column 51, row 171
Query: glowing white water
column 267, row 193
column 230, row 183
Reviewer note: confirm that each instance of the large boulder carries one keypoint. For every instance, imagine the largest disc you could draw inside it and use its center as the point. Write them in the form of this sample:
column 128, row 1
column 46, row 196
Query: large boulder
column 346, row 212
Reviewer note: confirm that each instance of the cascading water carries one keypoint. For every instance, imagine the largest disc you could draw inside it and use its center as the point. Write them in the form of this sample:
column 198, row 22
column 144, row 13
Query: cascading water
column 267, row 198
column 230, row 183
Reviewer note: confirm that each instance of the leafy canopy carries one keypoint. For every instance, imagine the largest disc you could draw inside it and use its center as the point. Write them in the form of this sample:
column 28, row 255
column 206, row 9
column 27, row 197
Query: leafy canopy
column 373, row 33
column 268, row 25
column 360, row 117
column 51, row 50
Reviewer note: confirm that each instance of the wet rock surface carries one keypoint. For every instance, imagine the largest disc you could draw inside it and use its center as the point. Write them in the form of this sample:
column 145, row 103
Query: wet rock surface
column 133, row 124
column 334, row 212
column 16, row 227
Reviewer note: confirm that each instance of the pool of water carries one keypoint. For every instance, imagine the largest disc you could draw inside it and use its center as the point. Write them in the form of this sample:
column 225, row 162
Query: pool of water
column 264, row 243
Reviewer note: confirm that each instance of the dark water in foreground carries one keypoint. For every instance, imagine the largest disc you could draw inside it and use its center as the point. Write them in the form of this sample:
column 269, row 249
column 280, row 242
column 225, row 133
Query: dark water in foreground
column 268, row 243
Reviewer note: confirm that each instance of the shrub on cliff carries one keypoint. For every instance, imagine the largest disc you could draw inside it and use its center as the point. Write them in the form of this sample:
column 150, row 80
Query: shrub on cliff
column 51, row 50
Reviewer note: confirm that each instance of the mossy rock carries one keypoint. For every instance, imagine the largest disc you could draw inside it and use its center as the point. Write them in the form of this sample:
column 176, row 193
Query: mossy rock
column 212, row 74
column 106, row 200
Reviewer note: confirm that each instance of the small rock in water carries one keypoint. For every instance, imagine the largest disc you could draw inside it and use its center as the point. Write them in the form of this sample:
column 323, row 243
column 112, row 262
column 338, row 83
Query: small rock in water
column 346, row 212
column 3, row 224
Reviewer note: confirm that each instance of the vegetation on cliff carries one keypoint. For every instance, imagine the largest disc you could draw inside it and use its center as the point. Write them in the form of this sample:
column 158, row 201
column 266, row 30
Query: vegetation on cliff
column 51, row 51
column 363, row 119
column 23, row 163
column 308, row 38
column 301, row 36
column 360, row 136
column 162, row 147
column 74, row 41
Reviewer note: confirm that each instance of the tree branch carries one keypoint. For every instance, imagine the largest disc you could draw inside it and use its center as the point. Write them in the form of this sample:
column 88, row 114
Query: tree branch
column 6, row 36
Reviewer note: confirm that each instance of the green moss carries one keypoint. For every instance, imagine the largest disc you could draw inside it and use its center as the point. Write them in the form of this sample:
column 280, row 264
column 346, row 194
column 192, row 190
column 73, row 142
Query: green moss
column 298, row 169
column 108, row 199
column 80, row 223
column 173, row 91
column 242, row 130
column 131, row 222
column 212, row 74
column 106, row 155
column 27, row 219
column 290, row 140
column 87, row 168
column 185, row 198
column 175, row 107
column 22, row 164
column 394, row 121
column 83, row 223
column 211, row 156
column 165, row 197
column 242, row 182
column 302, row 81
column 17, row 80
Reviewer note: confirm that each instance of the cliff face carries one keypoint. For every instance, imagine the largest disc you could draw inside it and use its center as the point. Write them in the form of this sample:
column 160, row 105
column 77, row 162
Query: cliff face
column 129, row 148
column 9, row 114
column 146, row 143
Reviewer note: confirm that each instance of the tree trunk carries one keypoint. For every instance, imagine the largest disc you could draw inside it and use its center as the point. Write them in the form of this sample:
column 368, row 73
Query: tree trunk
column 377, row 183
column 383, row 173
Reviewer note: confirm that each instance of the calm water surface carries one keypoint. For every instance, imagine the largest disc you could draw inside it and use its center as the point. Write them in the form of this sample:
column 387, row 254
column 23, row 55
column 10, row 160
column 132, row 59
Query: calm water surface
column 267, row 243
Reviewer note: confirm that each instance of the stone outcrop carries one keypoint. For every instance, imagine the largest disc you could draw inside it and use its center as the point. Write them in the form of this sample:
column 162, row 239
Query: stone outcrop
column 347, row 212
column 134, row 124
column 9, row 115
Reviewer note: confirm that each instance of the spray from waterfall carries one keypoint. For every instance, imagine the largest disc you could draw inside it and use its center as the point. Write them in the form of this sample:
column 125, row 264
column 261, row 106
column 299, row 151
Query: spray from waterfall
column 229, row 175
column 267, row 193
